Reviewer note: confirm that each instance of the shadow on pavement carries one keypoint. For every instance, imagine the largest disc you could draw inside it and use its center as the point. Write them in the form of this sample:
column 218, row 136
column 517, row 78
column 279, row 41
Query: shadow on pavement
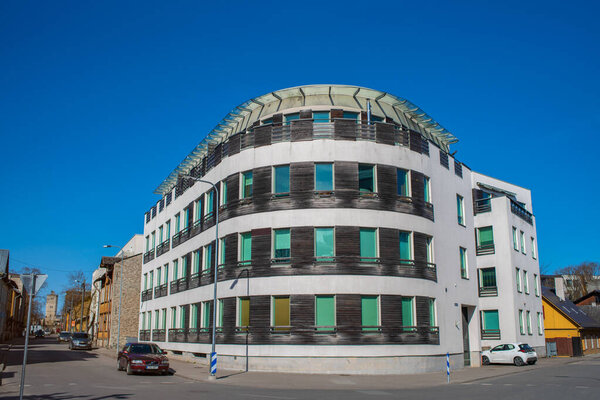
column 232, row 374
column 66, row 396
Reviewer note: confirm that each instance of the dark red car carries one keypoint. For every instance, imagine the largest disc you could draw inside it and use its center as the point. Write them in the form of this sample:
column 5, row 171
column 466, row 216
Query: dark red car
column 142, row 357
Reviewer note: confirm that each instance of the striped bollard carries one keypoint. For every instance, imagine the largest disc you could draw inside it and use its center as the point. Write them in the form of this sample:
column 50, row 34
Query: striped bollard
column 213, row 363
column 448, row 366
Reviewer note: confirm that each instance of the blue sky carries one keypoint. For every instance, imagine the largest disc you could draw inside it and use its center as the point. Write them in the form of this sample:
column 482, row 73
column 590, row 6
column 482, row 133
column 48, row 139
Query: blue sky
column 101, row 100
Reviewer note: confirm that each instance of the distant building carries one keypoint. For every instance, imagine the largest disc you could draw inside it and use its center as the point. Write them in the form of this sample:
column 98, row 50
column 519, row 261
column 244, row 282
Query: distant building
column 590, row 303
column 51, row 310
column 361, row 245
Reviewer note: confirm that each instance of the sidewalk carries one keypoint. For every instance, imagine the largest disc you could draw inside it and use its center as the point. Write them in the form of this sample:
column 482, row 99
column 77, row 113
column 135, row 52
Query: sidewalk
column 279, row 380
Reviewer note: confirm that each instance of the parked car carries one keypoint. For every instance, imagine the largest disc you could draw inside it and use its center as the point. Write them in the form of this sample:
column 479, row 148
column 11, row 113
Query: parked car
column 510, row 353
column 80, row 340
column 64, row 336
column 39, row 333
column 142, row 357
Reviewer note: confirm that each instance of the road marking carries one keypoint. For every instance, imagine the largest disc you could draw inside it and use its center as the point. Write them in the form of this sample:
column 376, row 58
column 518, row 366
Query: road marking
column 508, row 384
column 48, row 384
column 72, row 384
column 582, row 387
column 374, row 392
column 486, row 384
column 529, row 384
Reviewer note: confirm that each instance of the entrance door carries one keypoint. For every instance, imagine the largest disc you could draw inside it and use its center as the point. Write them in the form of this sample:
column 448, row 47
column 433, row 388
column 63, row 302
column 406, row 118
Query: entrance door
column 465, row 332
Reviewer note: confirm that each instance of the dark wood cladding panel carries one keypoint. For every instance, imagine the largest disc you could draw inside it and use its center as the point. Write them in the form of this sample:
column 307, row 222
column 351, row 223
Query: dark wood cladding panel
column 302, row 130
column 415, row 142
column 347, row 241
column 302, row 317
column 302, row 177
column 262, row 136
column 231, row 249
column 387, row 186
column 233, row 145
column 422, row 307
column 391, row 311
column 348, row 317
column 261, row 188
column 346, row 184
column 420, row 246
column 302, row 242
column 345, row 129
column 337, row 114
column 417, row 187
column 261, row 251
column 233, row 188
column 260, row 318
column 384, row 134
column 229, row 319
column 306, row 114
column 389, row 244
column 277, row 119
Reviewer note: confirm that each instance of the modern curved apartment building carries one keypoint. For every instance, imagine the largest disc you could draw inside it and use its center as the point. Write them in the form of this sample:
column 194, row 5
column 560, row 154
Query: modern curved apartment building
column 350, row 240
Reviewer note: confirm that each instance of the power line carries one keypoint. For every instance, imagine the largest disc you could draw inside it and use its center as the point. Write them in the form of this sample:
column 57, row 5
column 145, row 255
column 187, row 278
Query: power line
column 47, row 268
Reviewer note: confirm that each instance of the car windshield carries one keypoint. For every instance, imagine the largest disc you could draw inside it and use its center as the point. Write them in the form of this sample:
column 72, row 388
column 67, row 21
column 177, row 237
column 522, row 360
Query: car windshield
column 64, row 334
column 525, row 347
column 80, row 336
column 144, row 349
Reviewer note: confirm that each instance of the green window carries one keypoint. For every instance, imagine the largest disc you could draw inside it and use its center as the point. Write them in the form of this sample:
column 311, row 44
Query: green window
column 369, row 313
column 368, row 244
column 175, row 269
column 160, row 234
column 143, row 320
column 426, row 189
column 184, row 265
column 429, row 249
column 291, row 117
column 487, row 277
column 156, row 320
column 224, row 192
column 244, row 312
column 145, row 281
column 151, row 284
column 350, row 115
column 540, row 322
column 320, row 116
column 220, row 313
column 210, row 203
column 366, row 178
column 181, row 317
column 529, row 331
column 533, row 248
column 166, row 274
column 432, row 319
column 464, row 273
column 149, row 320
column 324, row 177
column 324, row 244
column 485, row 236
column 173, row 318
column 222, row 252
column 525, row 282
column 523, row 243
column 536, row 286
column 460, row 209
column 197, row 209
column 518, row 277
column 515, row 239
column 153, row 240
column 159, row 276
column 281, row 245
column 207, row 257
column 405, row 247
column 407, row 312
column 521, row 324
column 164, row 319
column 246, row 184
column 245, row 248
column 281, row 176
column 196, row 266
column 147, row 244
column 177, row 223
column 186, row 217
column 490, row 320
column 325, row 312
column 205, row 314
column 402, row 182
column 168, row 226
column 281, row 313
column 194, row 316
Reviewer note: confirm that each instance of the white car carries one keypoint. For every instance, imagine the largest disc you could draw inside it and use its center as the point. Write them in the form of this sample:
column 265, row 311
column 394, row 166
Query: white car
column 510, row 353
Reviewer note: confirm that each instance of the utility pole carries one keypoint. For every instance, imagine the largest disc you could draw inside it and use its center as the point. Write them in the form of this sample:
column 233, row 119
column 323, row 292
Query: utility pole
column 82, row 300
column 71, row 313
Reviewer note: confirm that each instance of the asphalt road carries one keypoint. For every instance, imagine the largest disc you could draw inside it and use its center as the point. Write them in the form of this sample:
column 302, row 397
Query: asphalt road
column 56, row 373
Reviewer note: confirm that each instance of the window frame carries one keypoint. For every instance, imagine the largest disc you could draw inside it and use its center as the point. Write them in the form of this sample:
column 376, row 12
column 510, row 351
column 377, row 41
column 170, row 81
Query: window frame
column 280, row 260
column 411, row 248
column 326, row 328
column 274, row 180
column 464, row 262
column 332, row 177
column 371, row 328
column 427, row 198
column 284, row 328
column 519, row 280
column 460, row 210
column 407, row 182
column 243, row 175
column 241, row 247
column 323, row 259
column 374, row 179
column 366, row 259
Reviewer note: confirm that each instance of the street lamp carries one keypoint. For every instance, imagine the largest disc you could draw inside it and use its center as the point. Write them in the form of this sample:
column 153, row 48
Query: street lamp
column 233, row 284
column 120, row 295
column 213, row 353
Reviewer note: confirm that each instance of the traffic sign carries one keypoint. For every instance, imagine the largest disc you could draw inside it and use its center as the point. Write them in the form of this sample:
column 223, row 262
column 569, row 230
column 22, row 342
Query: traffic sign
column 28, row 280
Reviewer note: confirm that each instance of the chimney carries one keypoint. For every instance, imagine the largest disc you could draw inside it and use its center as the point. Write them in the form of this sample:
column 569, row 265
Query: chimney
column 559, row 287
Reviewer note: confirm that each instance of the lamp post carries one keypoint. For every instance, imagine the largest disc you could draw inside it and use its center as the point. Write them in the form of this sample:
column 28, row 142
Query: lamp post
column 247, row 271
column 213, row 353
column 120, row 295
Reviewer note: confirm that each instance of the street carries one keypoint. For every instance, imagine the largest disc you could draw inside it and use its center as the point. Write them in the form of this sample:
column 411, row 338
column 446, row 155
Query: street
column 56, row 373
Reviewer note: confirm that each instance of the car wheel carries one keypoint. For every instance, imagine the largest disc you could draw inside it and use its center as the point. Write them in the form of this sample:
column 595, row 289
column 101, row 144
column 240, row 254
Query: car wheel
column 119, row 368
column 518, row 361
column 485, row 360
column 129, row 370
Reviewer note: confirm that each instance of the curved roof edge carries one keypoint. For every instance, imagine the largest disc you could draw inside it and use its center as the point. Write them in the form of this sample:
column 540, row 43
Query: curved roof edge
column 244, row 115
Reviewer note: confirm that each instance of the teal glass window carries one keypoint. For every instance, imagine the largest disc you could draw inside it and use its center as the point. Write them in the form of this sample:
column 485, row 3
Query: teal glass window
column 281, row 175
column 159, row 276
column 224, row 192
column 432, row 319
column 369, row 313
column 207, row 257
column 324, row 176
column 210, row 203
column 177, row 222
column 281, row 245
column 168, row 226
column 324, row 244
column 247, row 184
column 291, row 117
column 220, row 306
column 175, row 269
column 222, row 252
column 196, row 265
column 325, row 312
column 245, row 248
column 197, row 210
column 485, row 236
column 186, row 217
column 184, row 265
column 320, row 116
column 368, row 245
column 402, row 182
column 490, row 320
column 463, row 262
column 366, row 178
column 351, row 115
column 267, row 121
column 408, row 312
column 426, row 189
column 151, row 280
column 405, row 246
column 375, row 118
column 205, row 314
column 194, row 316
column 521, row 327
column 460, row 209
column 487, row 277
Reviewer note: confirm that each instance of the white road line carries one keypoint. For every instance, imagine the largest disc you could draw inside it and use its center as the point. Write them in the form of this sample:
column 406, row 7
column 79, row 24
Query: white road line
column 582, row 387
column 48, row 384
column 72, row 384
column 486, row 384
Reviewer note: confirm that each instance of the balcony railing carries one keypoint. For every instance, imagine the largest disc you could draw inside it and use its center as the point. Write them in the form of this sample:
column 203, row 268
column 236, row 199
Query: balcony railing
column 145, row 335
column 161, row 291
column 148, row 256
column 180, row 285
column 158, row 335
column 147, row 295
column 521, row 212
column 485, row 249
column 482, row 206
column 490, row 334
column 163, row 247
column 488, row 291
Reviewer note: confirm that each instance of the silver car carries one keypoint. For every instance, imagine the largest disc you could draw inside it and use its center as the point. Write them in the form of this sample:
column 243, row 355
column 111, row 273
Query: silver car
column 510, row 353
column 80, row 340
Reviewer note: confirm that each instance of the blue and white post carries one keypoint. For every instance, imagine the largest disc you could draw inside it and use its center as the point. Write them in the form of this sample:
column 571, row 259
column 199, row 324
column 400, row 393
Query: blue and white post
column 448, row 366
column 213, row 363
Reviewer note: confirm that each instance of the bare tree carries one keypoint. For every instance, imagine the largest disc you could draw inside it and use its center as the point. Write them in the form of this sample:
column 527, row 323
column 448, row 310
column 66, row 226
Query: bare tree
column 580, row 278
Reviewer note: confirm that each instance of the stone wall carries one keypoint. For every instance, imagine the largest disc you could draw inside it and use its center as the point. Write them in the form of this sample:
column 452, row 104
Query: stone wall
column 132, row 269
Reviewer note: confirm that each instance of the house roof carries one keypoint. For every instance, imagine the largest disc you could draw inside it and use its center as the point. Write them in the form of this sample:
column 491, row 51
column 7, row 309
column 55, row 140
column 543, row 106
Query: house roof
column 570, row 310
column 108, row 262
column 244, row 115
column 593, row 293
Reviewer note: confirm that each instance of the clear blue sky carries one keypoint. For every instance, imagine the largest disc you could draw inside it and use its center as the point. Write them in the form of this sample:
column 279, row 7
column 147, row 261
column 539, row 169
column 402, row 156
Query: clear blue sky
column 100, row 100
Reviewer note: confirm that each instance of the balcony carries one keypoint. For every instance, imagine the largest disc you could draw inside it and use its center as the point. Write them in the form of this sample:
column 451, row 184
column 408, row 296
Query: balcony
column 180, row 285
column 148, row 256
column 161, row 291
column 492, row 334
column 144, row 335
column 485, row 249
column 158, row 335
column 482, row 206
column 163, row 247
column 488, row 291
column 147, row 295
column 521, row 212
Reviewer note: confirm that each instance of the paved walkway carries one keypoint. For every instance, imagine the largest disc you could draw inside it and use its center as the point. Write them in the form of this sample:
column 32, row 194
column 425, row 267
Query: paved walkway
column 280, row 380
